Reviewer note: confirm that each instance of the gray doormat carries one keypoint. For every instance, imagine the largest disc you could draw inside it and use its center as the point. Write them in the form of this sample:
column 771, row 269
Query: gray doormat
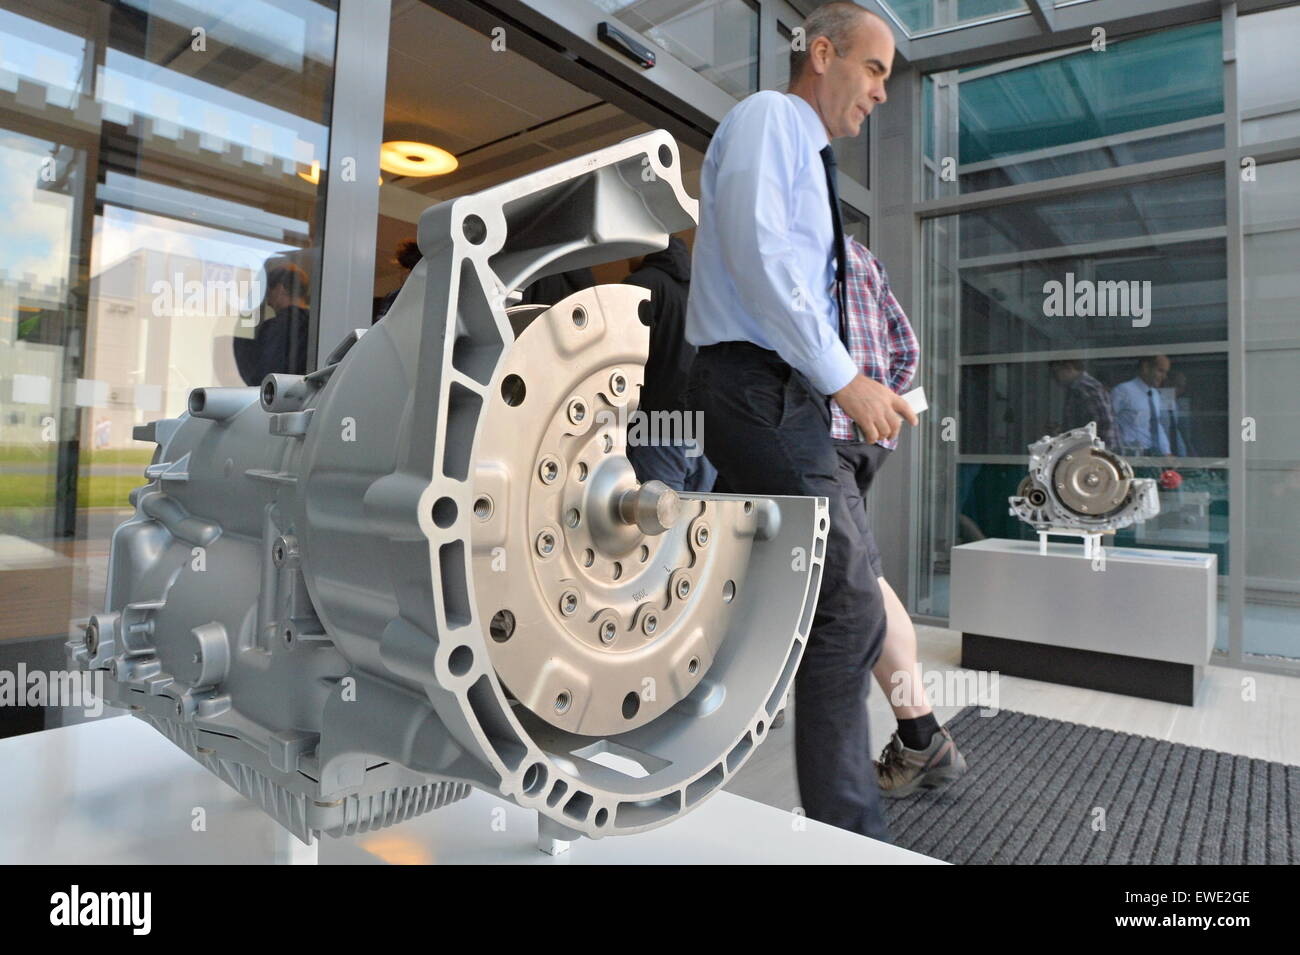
column 1041, row 791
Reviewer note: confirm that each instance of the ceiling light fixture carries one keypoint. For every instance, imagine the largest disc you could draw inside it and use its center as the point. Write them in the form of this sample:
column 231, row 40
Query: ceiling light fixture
column 406, row 158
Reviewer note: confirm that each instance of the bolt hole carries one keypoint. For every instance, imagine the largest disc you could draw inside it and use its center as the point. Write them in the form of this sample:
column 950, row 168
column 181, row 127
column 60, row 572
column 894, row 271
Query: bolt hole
column 608, row 443
column 502, row 627
column 631, row 705
column 460, row 661
column 693, row 667
column 483, row 508
column 579, row 316
column 665, row 156
column 749, row 506
column 513, row 390
column 563, row 701
column 475, row 229
column 758, row 730
column 534, row 779
column 582, row 471
column 444, row 512
column 602, row 816
column 617, row 571
column 728, row 591
column 572, row 517
column 588, row 558
column 645, row 553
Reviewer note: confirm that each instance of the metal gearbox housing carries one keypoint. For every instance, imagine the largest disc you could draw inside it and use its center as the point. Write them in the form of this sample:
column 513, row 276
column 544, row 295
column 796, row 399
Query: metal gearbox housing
column 1075, row 485
column 428, row 565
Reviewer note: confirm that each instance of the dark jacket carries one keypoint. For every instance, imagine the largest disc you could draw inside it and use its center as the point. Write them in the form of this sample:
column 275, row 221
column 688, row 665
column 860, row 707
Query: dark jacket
column 667, row 275
column 279, row 345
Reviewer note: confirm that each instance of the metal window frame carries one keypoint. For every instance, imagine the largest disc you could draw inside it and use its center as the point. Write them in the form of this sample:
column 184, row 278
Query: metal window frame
column 345, row 287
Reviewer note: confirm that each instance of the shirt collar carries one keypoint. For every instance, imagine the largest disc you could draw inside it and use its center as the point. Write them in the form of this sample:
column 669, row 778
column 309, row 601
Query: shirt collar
column 811, row 121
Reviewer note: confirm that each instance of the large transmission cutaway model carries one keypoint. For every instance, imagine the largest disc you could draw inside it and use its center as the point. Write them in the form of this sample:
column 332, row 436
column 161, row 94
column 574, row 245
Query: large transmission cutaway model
column 428, row 565
column 1075, row 486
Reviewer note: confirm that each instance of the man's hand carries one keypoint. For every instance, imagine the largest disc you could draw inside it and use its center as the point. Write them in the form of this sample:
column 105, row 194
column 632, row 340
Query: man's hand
column 875, row 408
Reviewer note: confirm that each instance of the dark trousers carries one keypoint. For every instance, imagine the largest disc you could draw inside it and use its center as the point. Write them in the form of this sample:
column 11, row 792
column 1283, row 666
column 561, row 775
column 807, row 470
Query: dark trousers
column 768, row 432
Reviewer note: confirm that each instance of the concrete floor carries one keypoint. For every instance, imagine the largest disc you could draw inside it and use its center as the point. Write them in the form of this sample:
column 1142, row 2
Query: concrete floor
column 1225, row 717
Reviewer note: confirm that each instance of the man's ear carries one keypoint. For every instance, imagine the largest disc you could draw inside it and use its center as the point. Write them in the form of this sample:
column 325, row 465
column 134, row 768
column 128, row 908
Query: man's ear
column 820, row 53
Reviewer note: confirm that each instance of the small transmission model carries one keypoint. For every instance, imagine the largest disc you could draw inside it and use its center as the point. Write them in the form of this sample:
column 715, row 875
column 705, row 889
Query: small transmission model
column 1076, row 487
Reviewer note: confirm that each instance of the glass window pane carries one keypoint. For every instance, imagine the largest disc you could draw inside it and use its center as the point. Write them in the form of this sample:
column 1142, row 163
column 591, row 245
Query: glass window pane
column 1268, row 83
column 716, row 38
column 1106, row 215
column 1158, row 294
column 150, row 183
column 779, row 57
column 1271, row 211
column 1008, row 405
column 1271, row 219
column 995, row 303
column 1145, row 98
column 918, row 16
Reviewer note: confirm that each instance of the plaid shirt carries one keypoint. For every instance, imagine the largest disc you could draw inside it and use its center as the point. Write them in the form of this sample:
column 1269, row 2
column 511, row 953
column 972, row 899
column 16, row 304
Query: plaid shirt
column 881, row 342
column 1088, row 400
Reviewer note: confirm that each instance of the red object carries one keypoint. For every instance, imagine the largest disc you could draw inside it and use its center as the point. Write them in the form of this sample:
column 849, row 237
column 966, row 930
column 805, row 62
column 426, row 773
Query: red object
column 1171, row 480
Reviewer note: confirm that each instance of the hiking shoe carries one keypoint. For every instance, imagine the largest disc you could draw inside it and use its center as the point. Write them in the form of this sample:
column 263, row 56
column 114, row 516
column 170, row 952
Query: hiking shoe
column 902, row 771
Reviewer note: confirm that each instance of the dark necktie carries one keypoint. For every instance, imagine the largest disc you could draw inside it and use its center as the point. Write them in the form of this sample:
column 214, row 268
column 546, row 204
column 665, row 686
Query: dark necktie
column 1155, row 421
column 837, row 222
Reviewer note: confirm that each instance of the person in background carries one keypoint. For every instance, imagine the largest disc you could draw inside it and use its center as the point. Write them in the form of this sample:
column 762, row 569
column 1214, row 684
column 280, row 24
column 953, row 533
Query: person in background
column 667, row 275
column 556, row 288
column 1086, row 399
column 1179, row 421
column 408, row 257
column 920, row 753
column 1139, row 409
column 279, row 344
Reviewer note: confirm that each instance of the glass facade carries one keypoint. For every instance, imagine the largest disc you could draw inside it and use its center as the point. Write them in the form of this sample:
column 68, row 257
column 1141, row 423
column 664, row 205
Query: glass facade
column 1080, row 110
column 159, row 185
column 920, row 16
column 157, row 178
column 1042, row 307
column 1121, row 282
column 716, row 38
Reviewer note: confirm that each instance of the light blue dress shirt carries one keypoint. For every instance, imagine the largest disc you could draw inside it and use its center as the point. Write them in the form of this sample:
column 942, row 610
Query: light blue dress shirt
column 763, row 268
column 1132, row 408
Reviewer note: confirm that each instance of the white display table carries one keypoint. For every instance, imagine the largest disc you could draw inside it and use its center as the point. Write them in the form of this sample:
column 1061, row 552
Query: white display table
column 115, row 791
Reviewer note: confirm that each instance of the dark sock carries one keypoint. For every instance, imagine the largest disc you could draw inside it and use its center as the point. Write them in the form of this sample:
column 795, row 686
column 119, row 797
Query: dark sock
column 917, row 733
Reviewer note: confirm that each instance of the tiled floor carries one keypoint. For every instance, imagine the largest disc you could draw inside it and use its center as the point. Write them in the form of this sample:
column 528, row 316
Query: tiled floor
column 1237, row 711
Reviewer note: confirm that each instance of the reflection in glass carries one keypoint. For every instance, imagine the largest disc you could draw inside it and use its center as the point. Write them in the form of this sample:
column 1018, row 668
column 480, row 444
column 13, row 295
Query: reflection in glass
column 150, row 179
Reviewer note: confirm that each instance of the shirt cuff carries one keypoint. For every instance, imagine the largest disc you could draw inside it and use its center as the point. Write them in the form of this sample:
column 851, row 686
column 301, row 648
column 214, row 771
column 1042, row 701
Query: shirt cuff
column 832, row 369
